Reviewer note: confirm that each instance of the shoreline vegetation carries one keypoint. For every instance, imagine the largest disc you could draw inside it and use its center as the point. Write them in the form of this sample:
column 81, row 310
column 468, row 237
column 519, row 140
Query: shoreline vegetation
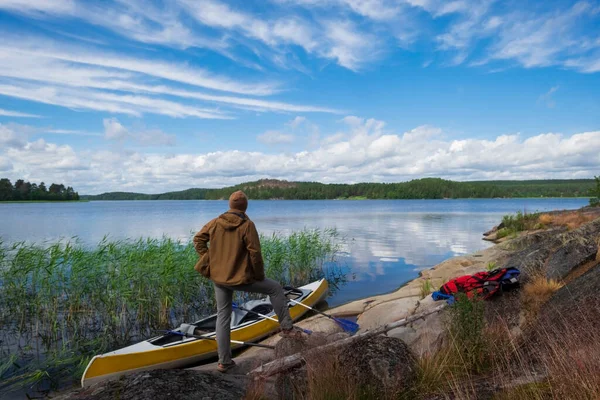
column 62, row 303
column 427, row 188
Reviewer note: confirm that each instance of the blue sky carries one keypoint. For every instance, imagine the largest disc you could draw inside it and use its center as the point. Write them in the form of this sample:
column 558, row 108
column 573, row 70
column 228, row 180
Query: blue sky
column 153, row 96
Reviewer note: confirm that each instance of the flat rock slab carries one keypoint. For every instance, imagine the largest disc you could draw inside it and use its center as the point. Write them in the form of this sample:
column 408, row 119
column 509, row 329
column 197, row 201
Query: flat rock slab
column 385, row 313
column 574, row 253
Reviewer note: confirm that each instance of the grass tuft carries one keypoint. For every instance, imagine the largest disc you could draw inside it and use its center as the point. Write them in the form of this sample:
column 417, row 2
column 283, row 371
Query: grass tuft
column 426, row 288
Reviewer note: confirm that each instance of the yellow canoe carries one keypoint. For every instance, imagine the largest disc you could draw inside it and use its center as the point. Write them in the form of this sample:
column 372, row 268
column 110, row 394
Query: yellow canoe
column 172, row 351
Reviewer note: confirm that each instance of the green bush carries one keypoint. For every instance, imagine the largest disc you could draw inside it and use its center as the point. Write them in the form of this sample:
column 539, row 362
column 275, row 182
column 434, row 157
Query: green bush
column 466, row 328
column 520, row 221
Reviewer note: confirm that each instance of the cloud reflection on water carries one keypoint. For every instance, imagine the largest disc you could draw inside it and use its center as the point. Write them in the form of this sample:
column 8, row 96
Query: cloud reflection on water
column 387, row 242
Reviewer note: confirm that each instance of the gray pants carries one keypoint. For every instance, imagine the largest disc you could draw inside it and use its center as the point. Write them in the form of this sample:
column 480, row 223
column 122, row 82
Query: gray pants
column 224, row 295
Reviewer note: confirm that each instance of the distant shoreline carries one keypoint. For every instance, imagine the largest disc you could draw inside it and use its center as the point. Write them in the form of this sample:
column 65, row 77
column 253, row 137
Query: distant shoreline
column 426, row 188
column 340, row 199
column 45, row 201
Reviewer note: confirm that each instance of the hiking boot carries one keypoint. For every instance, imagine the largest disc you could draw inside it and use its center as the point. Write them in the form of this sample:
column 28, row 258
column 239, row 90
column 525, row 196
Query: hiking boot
column 225, row 367
column 292, row 333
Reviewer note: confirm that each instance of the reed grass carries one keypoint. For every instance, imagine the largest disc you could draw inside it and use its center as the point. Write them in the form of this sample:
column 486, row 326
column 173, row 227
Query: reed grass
column 62, row 302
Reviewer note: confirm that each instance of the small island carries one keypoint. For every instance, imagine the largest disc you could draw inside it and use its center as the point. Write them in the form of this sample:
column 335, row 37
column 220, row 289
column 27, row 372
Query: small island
column 26, row 191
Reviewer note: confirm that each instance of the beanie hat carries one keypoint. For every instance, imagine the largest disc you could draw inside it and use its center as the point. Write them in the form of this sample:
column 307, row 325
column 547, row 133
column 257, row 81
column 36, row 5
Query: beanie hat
column 238, row 201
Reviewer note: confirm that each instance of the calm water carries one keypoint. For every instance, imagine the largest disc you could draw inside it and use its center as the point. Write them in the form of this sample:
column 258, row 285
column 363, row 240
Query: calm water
column 389, row 241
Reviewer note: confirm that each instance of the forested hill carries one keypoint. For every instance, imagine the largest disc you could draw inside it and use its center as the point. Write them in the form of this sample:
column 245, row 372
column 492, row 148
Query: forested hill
column 427, row 188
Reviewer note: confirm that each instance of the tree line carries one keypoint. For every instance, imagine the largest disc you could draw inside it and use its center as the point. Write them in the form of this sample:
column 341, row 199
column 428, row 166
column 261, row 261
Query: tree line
column 427, row 188
column 595, row 199
column 26, row 191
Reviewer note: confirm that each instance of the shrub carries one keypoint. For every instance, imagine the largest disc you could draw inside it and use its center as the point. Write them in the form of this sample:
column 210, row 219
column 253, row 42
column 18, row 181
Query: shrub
column 520, row 221
column 466, row 327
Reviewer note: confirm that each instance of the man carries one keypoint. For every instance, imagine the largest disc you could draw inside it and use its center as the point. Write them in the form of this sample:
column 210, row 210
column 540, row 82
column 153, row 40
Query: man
column 234, row 262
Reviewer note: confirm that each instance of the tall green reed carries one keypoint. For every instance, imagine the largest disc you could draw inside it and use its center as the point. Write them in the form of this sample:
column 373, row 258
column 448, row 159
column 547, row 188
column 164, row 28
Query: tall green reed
column 62, row 302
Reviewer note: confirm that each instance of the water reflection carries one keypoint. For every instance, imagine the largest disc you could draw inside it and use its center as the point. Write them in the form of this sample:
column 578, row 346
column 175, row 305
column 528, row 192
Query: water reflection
column 387, row 242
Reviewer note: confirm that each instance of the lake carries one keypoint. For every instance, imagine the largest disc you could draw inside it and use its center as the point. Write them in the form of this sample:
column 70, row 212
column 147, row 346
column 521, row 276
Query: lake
column 387, row 241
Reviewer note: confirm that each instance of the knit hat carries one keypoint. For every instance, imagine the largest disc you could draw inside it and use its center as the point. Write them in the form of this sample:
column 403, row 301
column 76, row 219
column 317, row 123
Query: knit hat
column 238, row 201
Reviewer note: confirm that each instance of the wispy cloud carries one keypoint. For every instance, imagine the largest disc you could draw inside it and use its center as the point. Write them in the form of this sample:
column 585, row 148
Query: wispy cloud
column 352, row 33
column 553, row 38
column 40, row 8
column 8, row 113
column 175, row 72
column 275, row 137
column 547, row 99
column 114, row 130
column 77, row 78
column 69, row 132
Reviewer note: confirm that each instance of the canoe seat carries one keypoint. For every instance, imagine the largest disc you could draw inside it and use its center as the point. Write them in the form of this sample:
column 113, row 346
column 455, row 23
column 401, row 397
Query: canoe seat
column 262, row 306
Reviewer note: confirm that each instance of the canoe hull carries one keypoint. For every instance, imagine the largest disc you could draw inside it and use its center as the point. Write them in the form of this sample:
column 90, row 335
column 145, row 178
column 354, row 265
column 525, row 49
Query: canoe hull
column 145, row 356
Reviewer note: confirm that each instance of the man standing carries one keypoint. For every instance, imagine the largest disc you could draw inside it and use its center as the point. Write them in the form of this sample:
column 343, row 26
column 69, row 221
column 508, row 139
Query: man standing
column 234, row 262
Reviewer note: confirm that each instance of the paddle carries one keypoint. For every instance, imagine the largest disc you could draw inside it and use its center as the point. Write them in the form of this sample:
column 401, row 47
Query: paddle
column 307, row 331
column 347, row 326
column 266, row 346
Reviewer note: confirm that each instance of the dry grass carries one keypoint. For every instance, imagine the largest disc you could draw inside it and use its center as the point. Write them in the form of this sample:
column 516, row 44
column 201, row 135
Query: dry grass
column 541, row 289
column 537, row 292
column 572, row 219
column 255, row 390
column 545, row 219
column 326, row 379
column 559, row 359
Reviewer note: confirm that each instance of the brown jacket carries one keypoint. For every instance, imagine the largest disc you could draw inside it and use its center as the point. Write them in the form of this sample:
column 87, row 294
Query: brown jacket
column 233, row 257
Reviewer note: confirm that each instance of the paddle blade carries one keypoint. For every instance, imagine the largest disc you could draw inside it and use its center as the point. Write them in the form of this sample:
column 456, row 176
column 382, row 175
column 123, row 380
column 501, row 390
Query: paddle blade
column 347, row 326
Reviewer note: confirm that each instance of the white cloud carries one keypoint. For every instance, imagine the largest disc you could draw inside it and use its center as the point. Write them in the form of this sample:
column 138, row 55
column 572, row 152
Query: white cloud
column 38, row 8
column 296, row 122
column 8, row 113
column 364, row 151
column 114, row 130
column 352, row 33
column 10, row 138
column 70, row 132
column 5, row 164
column 553, row 37
column 275, row 137
column 241, row 102
column 176, row 72
column 55, row 160
column 74, row 84
column 348, row 45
